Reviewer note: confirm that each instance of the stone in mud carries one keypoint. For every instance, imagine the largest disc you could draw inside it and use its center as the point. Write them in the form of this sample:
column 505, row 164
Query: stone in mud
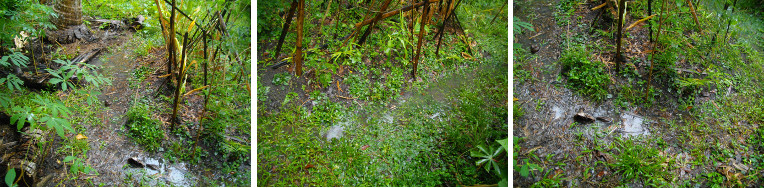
column 583, row 118
column 135, row 163
column 605, row 119
column 152, row 167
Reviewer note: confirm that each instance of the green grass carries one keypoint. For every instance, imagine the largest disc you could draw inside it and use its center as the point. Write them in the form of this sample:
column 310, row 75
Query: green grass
column 387, row 143
column 144, row 129
column 585, row 77
column 637, row 161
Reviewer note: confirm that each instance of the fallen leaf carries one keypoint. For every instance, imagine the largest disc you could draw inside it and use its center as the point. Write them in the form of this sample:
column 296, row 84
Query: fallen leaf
column 601, row 173
column 308, row 166
column 80, row 137
column 689, row 108
column 364, row 147
column 515, row 99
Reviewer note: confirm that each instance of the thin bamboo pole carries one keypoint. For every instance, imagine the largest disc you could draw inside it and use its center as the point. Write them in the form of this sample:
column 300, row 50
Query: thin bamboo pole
column 618, row 58
column 655, row 48
column 171, row 38
column 425, row 11
column 298, row 48
column 175, row 120
column 285, row 28
column 373, row 22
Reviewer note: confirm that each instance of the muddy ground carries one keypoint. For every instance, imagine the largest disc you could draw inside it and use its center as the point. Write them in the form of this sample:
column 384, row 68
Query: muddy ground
column 110, row 148
column 548, row 127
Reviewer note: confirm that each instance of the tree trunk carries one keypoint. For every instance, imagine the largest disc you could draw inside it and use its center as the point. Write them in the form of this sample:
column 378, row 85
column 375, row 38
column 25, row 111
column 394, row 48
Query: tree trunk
column 69, row 22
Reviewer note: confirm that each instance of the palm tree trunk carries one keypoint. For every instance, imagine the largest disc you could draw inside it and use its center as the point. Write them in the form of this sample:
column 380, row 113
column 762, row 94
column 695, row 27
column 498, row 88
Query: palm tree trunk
column 68, row 22
column 69, row 13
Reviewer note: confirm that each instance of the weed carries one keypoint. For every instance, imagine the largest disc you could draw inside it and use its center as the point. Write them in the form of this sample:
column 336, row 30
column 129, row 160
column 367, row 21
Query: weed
column 637, row 161
column 586, row 77
column 144, row 129
column 517, row 111
column 281, row 79
column 142, row 73
column 564, row 10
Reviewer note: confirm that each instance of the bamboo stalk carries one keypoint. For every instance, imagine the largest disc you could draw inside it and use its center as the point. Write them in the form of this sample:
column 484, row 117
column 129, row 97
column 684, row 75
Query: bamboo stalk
column 621, row 9
column 174, row 119
column 298, row 48
column 285, row 28
column 650, row 12
column 393, row 13
column 655, row 47
column 321, row 24
column 440, row 34
column 425, row 11
column 729, row 22
column 374, row 22
column 500, row 11
column 694, row 16
column 170, row 49
column 442, row 28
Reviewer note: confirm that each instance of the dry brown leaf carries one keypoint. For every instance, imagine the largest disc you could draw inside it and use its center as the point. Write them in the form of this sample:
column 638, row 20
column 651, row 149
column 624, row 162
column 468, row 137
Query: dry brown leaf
column 80, row 137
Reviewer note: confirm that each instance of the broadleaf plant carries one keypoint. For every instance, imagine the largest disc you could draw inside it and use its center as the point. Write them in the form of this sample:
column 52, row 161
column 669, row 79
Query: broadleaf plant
column 488, row 158
column 9, row 177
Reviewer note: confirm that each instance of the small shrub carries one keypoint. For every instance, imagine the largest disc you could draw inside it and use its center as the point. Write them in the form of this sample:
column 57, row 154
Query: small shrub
column 145, row 130
column 584, row 76
column 636, row 161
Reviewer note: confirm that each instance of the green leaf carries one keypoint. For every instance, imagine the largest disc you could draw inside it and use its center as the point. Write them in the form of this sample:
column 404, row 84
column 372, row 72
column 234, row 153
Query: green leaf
column 4, row 61
column 504, row 143
column 55, row 81
column 524, row 170
column 69, row 158
column 474, row 153
column 481, row 162
column 496, row 167
column 485, row 152
column 503, row 183
column 60, row 132
column 10, row 176
column 497, row 152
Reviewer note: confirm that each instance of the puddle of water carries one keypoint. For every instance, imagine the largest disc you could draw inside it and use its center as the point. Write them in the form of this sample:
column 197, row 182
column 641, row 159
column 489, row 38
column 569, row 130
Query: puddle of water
column 557, row 112
column 387, row 118
column 436, row 115
column 632, row 125
column 171, row 174
column 335, row 132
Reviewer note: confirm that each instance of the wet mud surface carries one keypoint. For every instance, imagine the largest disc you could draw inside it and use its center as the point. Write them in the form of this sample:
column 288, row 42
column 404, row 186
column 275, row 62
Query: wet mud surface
column 548, row 127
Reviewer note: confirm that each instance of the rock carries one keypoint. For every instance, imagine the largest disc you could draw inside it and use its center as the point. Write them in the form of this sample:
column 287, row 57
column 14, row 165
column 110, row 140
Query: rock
column 583, row 118
column 534, row 49
column 605, row 119
column 135, row 163
column 152, row 167
column 44, row 181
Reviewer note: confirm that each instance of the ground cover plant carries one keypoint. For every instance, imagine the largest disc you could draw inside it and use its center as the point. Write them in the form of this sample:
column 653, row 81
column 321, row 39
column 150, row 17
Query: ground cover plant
column 356, row 116
column 675, row 104
column 87, row 98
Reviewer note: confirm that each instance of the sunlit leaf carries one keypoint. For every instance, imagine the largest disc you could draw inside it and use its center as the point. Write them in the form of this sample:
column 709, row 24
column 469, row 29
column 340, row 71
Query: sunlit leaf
column 69, row 158
column 9, row 177
column 80, row 137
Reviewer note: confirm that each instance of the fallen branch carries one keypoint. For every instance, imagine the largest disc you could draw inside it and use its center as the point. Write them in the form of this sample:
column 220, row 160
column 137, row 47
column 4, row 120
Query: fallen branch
column 640, row 21
column 348, row 98
column 195, row 90
column 394, row 12
column 599, row 6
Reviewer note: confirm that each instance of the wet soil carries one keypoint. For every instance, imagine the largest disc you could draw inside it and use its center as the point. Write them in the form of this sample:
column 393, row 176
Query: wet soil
column 110, row 148
column 548, row 125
